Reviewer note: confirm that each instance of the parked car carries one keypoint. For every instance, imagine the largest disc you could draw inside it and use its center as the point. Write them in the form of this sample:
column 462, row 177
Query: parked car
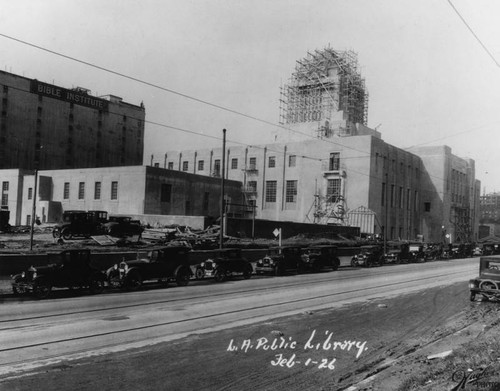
column 162, row 264
column 368, row 256
column 280, row 260
column 80, row 223
column 433, row 251
column 416, row 252
column 396, row 252
column 487, row 283
column 122, row 226
column 72, row 269
column 224, row 264
column 318, row 257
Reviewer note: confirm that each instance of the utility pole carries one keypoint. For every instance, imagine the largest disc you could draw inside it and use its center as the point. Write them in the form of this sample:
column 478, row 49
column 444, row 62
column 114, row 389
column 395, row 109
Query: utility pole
column 222, row 200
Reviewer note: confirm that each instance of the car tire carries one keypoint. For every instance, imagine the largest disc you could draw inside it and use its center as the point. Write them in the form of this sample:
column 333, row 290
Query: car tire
column 114, row 280
column 133, row 281
column 183, row 276
column 56, row 234
column 472, row 296
column 353, row 262
column 66, row 234
column 336, row 264
column 42, row 289
column 248, row 272
column 96, row 285
column 219, row 275
column 199, row 274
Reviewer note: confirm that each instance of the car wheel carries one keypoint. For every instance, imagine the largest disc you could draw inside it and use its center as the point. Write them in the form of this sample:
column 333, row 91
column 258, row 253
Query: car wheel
column 133, row 281
column 278, row 270
column 353, row 262
column 96, row 285
column 42, row 289
column 199, row 274
column 220, row 275
column 183, row 277
column 336, row 264
column 56, row 233
column 248, row 272
column 472, row 296
column 66, row 234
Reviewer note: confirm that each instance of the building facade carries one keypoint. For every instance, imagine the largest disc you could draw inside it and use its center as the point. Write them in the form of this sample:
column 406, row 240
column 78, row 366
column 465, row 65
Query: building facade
column 131, row 190
column 51, row 127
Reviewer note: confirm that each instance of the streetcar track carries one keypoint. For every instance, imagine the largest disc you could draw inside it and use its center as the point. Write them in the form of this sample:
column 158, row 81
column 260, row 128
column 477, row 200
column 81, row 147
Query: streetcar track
column 204, row 296
column 288, row 302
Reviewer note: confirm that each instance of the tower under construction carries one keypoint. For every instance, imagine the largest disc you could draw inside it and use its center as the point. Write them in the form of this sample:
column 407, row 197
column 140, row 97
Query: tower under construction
column 325, row 95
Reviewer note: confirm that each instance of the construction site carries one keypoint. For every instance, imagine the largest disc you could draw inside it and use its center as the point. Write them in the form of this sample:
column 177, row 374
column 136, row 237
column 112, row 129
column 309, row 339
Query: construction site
column 326, row 91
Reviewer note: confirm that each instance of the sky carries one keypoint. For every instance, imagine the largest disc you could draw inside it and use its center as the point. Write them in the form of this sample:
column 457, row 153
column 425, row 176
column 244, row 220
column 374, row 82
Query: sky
column 200, row 66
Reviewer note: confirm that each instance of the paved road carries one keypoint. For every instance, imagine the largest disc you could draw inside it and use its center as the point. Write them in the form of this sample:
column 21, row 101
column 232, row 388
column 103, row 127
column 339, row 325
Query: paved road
column 37, row 333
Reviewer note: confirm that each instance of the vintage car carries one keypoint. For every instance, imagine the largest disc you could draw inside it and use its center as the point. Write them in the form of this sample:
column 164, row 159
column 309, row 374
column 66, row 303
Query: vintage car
column 416, row 252
column 122, row 226
column 224, row 264
column 368, row 256
column 80, row 223
column 395, row 253
column 280, row 260
column 488, row 282
column 72, row 269
column 318, row 257
column 164, row 264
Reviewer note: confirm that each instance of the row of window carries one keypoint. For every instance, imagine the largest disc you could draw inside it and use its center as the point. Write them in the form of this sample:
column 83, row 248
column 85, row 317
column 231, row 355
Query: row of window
column 97, row 190
column 233, row 164
column 272, row 188
column 398, row 200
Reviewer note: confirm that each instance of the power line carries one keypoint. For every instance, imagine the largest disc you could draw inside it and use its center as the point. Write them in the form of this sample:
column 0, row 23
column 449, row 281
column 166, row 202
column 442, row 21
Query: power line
column 473, row 33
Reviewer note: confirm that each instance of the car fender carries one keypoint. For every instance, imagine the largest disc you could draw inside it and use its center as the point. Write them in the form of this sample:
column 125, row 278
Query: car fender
column 182, row 267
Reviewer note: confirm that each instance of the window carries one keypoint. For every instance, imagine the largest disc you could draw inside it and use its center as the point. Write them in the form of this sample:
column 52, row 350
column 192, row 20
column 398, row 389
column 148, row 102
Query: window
column 427, row 206
column 333, row 190
column 234, row 164
column 334, row 162
column 201, row 165
column 392, row 195
column 272, row 161
column 253, row 163
column 271, row 187
column 114, row 190
column 66, row 191
column 185, row 165
column 5, row 186
column 165, row 192
column 206, row 197
column 97, row 191
column 408, row 195
column 292, row 160
column 81, row 190
column 252, row 186
column 30, row 193
column 216, row 167
column 5, row 199
column 291, row 191
column 187, row 208
column 383, row 195
column 170, row 165
column 5, row 89
column 400, row 198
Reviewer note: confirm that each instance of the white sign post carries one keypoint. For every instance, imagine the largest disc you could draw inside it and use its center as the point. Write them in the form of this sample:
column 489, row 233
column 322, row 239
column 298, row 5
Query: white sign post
column 277, row 233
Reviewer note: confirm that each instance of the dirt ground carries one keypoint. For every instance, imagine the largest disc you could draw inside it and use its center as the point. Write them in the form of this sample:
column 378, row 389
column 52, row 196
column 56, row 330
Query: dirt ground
column 389, row 342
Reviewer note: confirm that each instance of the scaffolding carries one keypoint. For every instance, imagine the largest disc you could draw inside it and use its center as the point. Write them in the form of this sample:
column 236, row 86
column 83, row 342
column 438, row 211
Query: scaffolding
column 324, row 83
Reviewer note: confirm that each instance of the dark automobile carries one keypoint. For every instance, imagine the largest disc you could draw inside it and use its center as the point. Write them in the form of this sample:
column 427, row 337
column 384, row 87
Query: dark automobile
column 368, row 256
column 319, row 257
column 71, row 270
column 80, row 223
column 416, row 252
column 122, row 226
column 488, row 282
column 163, row 264
column 395, row 253
column 280, row 260
column 224, row 264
